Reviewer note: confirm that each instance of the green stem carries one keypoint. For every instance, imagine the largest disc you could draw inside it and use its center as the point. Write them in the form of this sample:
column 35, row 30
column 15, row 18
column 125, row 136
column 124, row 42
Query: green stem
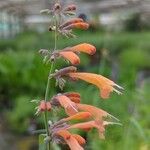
column 47, row 92
column 55, row 42
column 46, row 99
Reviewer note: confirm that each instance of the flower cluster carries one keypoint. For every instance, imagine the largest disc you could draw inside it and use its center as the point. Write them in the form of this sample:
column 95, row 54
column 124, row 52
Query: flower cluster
column 88, row 116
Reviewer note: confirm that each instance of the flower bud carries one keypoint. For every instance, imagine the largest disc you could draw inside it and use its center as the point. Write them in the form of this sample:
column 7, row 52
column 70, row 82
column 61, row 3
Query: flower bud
column 42, row 106
column 57, row 6
column 48, row 106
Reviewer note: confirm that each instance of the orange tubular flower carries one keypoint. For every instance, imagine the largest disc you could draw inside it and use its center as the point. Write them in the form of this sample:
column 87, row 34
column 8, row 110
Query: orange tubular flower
column 69, row 139
column 84, row 47
column 105, row 85
column 78, row 116
column 79, row 25
column 97, row 113
column 75, row 20
column 71, row 56
column 67, row 104
column 89, row 125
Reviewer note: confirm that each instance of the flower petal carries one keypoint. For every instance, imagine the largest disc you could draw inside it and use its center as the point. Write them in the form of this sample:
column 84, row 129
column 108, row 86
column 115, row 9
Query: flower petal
column 75, row 99
column 97, row 113
column 67, row 104
column 64, row 133
column 79, row 138
column 73, row 96
column 84, row 47
column 72, row 57
column 73, row 144
column 84, row 126
column 89, row 125
column 78, row 116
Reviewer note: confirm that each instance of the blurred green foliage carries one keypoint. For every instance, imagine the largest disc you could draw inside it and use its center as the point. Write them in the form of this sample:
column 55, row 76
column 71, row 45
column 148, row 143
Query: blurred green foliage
column 23, row 77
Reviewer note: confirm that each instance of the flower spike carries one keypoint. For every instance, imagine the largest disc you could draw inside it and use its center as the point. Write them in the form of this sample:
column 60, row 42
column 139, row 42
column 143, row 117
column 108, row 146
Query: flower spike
column 79, row 116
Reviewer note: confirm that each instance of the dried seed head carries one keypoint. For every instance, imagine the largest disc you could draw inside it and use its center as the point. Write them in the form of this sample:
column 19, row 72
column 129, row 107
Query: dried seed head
column 70, row 8
column 44, row 52
column 45, row 11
